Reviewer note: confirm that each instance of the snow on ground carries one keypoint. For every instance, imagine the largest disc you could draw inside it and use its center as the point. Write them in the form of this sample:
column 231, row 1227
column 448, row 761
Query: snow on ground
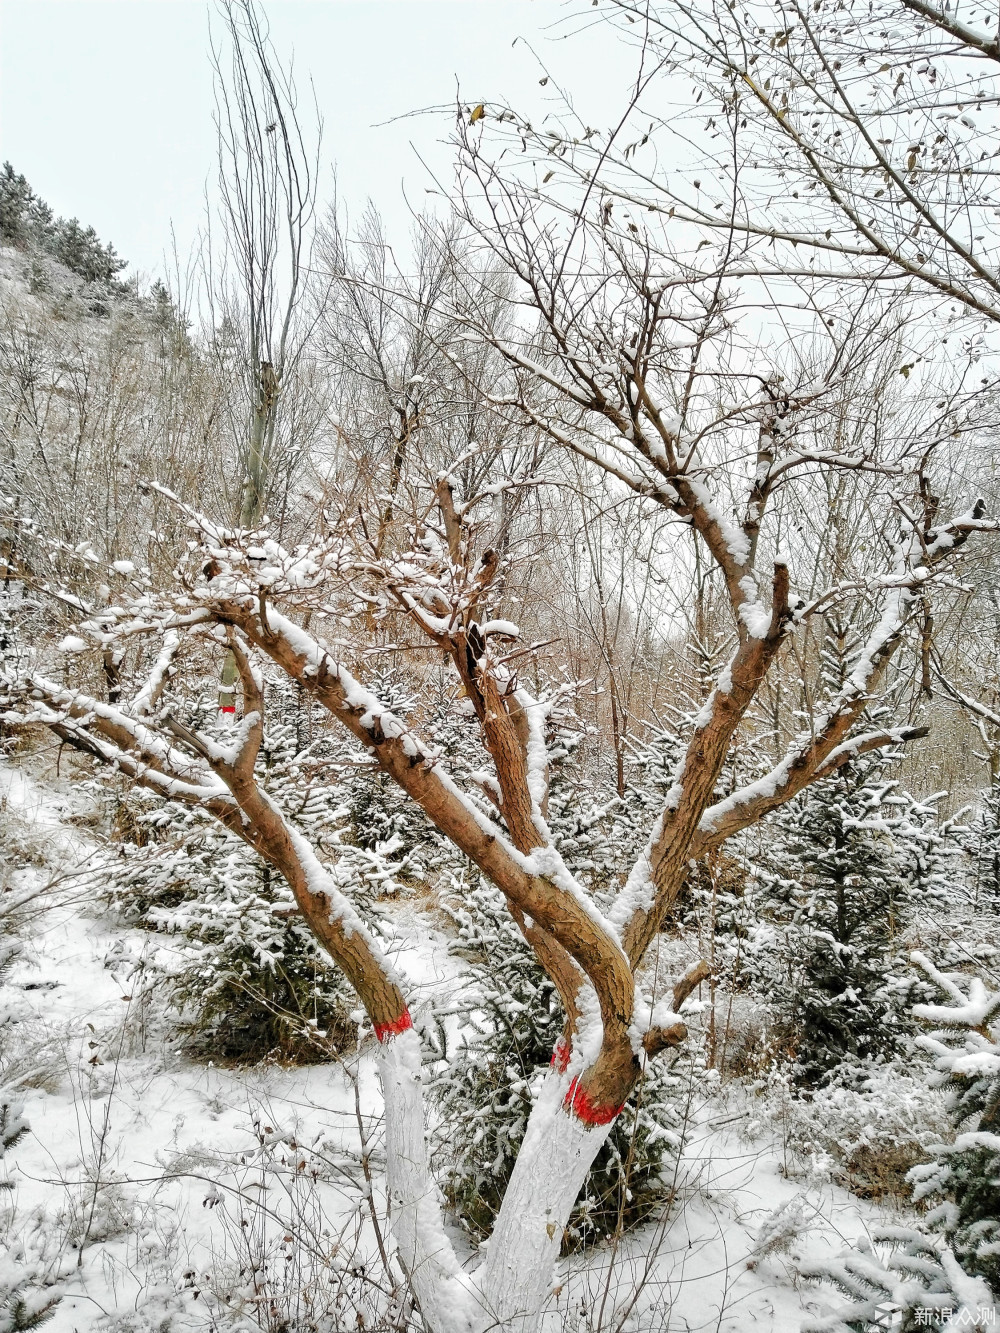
column 700, row 1269
column 143, row 1156
column 154, row 1187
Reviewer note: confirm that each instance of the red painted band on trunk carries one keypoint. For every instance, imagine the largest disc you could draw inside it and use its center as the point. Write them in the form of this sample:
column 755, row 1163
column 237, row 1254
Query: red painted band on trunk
column 386, row 1030
column 578, row 1101
column 560, row 1057
column 228, row 708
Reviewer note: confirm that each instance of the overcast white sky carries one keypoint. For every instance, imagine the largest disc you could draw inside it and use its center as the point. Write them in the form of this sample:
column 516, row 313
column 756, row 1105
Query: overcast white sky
column 106, row 105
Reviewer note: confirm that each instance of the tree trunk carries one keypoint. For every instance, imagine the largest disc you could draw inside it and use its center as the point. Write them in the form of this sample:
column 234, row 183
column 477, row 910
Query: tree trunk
column 444, row 1293
column 552, row 1164
column 510, row 1289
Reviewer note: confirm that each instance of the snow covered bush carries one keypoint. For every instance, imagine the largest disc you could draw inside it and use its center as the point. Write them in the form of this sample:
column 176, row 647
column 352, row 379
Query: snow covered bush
column 583, row 815
column 19, row 616
column 963, row 1182
column 918, row 1284
column 24, row 1301
column 236, row 962
column 943, row 1274
column 781, row 1233
column 511, row 1031
column 866, row 1135
column 650, row 765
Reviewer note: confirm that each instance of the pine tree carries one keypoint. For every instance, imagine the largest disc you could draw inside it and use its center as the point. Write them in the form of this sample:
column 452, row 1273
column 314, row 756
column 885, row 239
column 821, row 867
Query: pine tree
column 965, row 1177
column 943, row 1273
column 585, row 818
column 24, row 1302
column 242, row 968
column 245, row 973
column 28, row 222
column 840, row 875
column 81, row 251
column 169, row 324
column 382, row 819
column 917, row 1285
column 650, row 772
column 19, row 209
column 982, row 841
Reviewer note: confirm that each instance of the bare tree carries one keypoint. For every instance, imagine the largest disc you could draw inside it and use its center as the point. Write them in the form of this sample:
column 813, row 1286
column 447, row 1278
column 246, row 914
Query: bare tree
column 267, row 182
column 865, row 139
column 615, row 1022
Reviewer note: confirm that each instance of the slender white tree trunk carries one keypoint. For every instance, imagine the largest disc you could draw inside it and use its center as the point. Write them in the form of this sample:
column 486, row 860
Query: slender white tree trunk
column 445, row 1294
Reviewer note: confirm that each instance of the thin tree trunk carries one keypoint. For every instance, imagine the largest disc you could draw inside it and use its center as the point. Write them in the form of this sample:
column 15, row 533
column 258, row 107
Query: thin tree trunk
column 443, row 1292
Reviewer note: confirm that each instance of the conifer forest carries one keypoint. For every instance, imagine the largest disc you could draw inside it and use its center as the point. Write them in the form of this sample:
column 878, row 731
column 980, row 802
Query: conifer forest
column 500, row 716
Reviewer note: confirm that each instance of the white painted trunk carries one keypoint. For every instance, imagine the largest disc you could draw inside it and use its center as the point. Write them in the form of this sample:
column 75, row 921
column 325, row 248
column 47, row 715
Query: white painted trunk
column 558, row 1151
column 443, row 1291
column 508, row 1292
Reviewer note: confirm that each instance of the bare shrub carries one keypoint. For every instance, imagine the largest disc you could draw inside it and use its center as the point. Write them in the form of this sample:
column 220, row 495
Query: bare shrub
column 300, row 1244
column 878, row 1171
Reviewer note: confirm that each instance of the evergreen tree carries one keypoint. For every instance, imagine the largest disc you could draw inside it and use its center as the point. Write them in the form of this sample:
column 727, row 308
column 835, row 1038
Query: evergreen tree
column 837, row 882
column 585, row 818
column 27, row 221
column 837, row 878
column 382, row 818
column 650, row 772
column 24, row 1302
column 965, row 1177
column 169, row 324
column 22, row 214
column 917, row 1285
column 243, row 969
column 982, row 842
column 942, row 1274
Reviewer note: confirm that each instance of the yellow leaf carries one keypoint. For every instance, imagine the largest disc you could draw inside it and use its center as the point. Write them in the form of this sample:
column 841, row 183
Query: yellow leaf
column 478, row 114
column 551, row 1229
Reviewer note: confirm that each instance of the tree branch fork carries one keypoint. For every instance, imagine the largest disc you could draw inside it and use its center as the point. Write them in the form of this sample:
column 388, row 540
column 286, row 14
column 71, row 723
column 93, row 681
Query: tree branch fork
column 585, row 953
